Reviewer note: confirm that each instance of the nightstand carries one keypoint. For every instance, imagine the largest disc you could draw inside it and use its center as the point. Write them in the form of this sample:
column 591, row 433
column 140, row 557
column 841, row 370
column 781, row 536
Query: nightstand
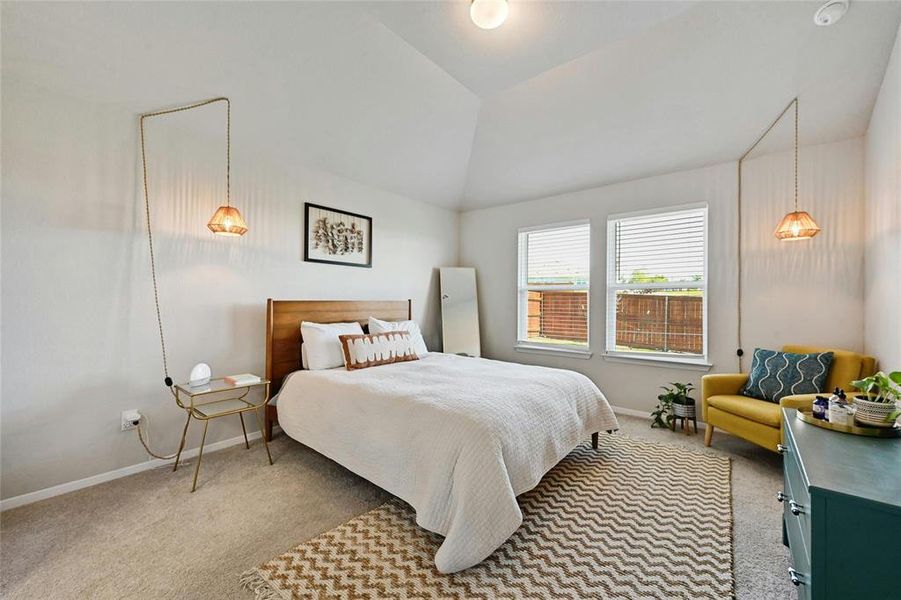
column 219, row 399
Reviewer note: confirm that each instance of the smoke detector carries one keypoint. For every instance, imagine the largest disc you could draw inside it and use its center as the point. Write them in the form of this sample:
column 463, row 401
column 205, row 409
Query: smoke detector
column 831, row 12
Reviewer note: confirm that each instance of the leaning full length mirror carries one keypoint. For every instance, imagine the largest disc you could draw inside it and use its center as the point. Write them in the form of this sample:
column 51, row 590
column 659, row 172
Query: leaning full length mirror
column 460, row 311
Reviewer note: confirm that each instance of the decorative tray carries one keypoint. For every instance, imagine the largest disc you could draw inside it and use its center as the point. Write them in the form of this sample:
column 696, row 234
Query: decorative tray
column 880, row 432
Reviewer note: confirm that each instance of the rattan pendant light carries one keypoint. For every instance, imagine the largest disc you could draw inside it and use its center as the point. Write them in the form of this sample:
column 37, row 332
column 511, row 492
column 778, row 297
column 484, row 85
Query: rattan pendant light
column 798, row 224
column 227, row 219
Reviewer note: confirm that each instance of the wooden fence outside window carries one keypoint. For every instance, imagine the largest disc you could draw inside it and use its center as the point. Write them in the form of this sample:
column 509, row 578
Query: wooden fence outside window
column 656, row 322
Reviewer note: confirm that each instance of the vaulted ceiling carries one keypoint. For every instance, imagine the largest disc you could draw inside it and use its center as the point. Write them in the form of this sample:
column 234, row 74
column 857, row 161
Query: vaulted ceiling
column 412, row 97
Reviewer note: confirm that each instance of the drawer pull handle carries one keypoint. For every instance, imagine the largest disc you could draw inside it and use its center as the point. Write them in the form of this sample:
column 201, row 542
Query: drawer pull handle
column 796, row 577
column 781, row 448
column 781, row 497
column 795, row 508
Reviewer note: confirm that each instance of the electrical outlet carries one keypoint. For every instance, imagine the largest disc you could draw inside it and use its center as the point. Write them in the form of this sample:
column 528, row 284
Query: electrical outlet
column 130, row 419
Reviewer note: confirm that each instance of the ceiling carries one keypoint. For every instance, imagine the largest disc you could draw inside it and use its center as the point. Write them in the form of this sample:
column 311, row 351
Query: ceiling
column 411, row 97
column 695, row 90
column 536, row 36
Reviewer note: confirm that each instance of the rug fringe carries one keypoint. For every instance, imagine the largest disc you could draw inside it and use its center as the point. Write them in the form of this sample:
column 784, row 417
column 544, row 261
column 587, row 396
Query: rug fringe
column 253, row 582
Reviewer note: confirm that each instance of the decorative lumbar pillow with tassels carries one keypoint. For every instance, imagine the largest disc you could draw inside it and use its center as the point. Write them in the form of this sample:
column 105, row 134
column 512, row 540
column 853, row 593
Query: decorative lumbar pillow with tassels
column 775, row 374
column 362, row 351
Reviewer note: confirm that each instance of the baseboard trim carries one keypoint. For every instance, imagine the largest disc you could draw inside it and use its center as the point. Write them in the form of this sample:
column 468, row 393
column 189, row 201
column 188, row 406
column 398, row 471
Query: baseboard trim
column 65, row 488
column 631, row 412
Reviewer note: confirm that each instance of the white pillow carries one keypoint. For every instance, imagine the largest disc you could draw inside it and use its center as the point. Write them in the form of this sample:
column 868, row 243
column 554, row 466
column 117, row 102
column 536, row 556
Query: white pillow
column 321, row 342
column 379, row 326
column 303, row 356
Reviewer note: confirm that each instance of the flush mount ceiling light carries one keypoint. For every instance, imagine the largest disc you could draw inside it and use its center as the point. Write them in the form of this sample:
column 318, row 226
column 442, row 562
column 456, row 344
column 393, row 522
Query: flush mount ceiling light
column 488, row 14
column 831, row 12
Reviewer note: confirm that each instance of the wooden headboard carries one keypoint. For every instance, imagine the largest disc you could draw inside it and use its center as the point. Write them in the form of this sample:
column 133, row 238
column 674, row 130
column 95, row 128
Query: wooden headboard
column 283, row 319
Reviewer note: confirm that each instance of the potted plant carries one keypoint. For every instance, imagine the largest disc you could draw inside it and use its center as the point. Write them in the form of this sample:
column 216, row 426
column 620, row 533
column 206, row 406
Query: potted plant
column 878, row 404
column 674, row 403
column 661, row 416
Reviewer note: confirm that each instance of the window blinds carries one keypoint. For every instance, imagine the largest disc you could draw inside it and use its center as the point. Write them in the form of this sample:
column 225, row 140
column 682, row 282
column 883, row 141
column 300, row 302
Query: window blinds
column 656, row 288
column 666, row 247
column 554, row 281
column 558, row 256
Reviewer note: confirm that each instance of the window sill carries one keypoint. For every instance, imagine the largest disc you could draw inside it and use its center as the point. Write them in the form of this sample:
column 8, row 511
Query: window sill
column 566, row 351
column 690, row 364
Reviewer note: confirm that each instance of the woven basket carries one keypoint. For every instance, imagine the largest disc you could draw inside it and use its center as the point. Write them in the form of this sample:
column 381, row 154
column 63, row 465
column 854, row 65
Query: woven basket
column 686, row 411
column 872, row 413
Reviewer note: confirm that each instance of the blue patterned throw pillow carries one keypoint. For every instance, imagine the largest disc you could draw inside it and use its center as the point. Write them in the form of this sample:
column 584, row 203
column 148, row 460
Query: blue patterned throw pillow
column 775, row 375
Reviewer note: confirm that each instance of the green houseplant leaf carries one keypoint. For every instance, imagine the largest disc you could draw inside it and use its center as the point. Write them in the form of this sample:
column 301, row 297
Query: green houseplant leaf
column 880, row 387
column 662, row 415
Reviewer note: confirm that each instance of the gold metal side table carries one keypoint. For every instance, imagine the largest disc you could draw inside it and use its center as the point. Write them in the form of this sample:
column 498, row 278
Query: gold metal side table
column 194, row 400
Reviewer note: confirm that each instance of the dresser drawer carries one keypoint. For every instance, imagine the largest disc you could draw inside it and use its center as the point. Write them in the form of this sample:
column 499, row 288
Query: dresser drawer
column 800, row 554
column 794, row 477
column 797, row 497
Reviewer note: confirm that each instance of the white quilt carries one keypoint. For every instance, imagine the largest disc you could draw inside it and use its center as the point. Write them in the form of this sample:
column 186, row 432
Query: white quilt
column 456, row 438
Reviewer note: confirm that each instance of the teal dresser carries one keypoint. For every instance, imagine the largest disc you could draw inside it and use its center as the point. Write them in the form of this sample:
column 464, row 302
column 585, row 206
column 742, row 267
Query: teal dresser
column 842, row 512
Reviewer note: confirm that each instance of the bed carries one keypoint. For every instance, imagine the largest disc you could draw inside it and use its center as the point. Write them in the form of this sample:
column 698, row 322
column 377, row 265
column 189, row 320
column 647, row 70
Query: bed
column 457, row 438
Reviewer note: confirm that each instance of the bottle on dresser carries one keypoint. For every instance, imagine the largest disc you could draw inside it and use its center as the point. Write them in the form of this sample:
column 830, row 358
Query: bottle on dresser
column 820, row 408
column 839, row 410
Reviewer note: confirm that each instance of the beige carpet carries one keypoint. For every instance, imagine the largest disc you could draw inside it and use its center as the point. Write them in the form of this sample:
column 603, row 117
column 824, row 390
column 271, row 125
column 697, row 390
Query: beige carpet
column 145, row 536
column 631, row 519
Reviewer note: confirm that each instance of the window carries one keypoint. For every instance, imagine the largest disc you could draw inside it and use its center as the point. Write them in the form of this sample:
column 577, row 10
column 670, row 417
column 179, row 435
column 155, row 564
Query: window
column 553, row 286
column 657, row 284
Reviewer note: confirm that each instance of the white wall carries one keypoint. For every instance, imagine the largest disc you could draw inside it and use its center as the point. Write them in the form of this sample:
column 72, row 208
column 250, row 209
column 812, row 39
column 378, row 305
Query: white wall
column 883, row 220
column 790, row 290
column 805, row 292
column 79, row 340
column 323, row 83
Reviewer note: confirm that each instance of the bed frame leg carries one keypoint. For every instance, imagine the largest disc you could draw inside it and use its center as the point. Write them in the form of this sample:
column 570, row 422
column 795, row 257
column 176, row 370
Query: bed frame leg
column 270, row 417
column 594, row 440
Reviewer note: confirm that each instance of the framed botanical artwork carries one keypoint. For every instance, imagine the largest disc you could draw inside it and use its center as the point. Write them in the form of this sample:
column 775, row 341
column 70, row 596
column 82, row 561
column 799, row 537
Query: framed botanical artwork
column 336, row 237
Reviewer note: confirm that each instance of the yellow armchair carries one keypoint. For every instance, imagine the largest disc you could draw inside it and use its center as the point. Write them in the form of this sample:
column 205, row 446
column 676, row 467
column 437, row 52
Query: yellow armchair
column 759, row 421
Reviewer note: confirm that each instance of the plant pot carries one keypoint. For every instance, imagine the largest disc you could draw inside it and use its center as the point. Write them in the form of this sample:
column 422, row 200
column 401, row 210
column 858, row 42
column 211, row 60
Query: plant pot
column 873, row 414
column 684, row 411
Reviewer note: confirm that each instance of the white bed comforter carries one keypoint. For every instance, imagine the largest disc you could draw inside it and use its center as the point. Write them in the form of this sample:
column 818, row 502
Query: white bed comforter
column 456, row 438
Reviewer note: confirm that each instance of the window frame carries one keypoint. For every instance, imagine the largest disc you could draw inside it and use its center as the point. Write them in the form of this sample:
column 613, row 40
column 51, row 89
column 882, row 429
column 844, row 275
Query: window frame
column 522, row 293
column 613, row 286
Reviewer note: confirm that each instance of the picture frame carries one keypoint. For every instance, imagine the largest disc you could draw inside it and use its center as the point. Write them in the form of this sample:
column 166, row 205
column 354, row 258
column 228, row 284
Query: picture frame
column 336, row 237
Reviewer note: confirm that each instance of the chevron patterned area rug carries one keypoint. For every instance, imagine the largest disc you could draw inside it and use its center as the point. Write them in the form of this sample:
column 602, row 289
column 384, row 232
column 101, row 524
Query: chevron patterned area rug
column 632, row 519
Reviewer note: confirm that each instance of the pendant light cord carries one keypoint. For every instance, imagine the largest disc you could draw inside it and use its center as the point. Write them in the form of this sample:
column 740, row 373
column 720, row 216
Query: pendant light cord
column 156, row 294
column 146, row 443
column 228, row 151
column 740, row 352
column 796, row 155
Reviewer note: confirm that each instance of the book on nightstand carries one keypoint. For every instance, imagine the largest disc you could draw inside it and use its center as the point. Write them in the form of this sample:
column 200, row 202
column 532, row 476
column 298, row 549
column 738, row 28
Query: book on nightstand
column 242, row 379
